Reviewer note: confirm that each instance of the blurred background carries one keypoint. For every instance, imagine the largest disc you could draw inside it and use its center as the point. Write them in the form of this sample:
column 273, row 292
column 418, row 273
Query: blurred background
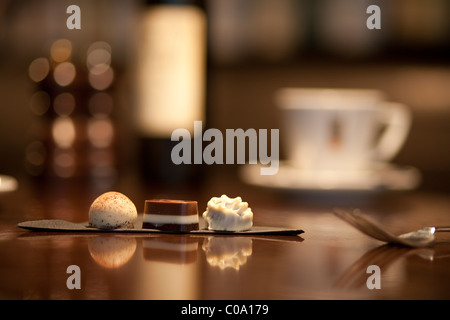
column 81, row 121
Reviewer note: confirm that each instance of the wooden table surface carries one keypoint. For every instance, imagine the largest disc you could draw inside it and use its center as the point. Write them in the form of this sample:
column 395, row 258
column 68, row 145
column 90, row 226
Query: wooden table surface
column 329, row 261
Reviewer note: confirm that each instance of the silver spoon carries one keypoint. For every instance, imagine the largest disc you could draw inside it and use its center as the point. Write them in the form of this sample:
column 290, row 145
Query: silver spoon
column 420, row 238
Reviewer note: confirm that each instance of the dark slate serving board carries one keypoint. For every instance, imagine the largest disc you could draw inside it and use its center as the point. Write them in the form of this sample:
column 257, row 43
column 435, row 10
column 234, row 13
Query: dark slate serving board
column 67, row 226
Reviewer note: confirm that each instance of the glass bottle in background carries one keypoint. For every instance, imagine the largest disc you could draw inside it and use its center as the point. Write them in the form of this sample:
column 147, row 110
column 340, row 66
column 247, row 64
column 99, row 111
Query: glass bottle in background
column 170, row 85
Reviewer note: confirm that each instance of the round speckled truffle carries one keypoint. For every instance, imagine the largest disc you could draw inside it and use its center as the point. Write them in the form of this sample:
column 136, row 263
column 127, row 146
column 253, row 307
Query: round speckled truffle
column 112, row 210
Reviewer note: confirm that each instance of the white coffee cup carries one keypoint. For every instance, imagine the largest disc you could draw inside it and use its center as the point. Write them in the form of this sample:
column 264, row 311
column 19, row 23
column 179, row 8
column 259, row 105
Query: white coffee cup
column 340, row 129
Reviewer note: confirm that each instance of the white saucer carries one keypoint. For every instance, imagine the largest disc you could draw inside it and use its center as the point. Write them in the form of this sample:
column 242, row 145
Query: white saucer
column 7, row 183
column 381, row 177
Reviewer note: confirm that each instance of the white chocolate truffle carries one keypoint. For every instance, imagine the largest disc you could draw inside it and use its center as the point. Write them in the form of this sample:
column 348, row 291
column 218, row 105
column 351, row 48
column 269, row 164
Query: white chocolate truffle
column 228, row 214
column 112, row 210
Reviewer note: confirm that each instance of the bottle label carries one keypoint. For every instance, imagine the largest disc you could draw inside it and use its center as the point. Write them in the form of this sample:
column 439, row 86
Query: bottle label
column 171, row 70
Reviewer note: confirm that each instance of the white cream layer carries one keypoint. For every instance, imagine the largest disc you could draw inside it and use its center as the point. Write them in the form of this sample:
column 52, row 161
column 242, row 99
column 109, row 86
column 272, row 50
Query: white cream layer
column 170, row 219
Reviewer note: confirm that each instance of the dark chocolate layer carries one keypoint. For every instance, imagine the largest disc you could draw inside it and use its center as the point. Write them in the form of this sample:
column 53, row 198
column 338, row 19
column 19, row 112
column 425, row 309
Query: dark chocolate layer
column 171, row 207
column 171, row 227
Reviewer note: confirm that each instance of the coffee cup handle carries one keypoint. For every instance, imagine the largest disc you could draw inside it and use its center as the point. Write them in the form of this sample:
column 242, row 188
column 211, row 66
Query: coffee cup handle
column 397, row 118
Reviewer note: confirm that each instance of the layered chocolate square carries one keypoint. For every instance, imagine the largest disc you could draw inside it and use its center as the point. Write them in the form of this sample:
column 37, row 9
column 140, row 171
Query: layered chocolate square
column 170, row 215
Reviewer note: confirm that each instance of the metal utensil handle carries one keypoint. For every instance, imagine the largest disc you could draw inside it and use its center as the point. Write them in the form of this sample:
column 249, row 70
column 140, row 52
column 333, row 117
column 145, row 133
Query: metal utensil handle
column 442, row 229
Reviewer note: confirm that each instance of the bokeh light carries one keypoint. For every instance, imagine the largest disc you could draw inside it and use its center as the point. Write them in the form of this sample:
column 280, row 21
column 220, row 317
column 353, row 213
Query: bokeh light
column 64, row 73
column 61, row 50
column 39, row 69
column 39, row 103
column 100, row 103
column 101, row 78
column 63, row 132
column 100, row 132
column 64, row 104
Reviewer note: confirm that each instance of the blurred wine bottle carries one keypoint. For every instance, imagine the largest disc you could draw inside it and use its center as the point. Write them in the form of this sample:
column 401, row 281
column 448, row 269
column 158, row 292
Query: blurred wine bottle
column 170, row 85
